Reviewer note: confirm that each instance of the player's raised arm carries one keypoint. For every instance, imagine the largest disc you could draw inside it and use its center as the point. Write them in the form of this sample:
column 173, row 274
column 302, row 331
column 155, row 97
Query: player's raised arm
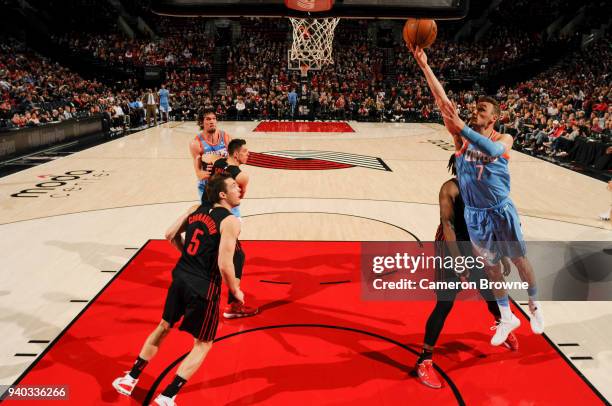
column 434, row 84
column 435, row 87
column 457, row 126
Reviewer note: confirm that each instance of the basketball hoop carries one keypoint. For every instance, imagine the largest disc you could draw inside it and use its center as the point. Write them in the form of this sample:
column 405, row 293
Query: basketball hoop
column 313, row 40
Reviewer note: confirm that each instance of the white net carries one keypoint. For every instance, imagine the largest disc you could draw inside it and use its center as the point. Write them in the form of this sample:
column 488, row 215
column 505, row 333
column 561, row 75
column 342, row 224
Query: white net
column 313, row 40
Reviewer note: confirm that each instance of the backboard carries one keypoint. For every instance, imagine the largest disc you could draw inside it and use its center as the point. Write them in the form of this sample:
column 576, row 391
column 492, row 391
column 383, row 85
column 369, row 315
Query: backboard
column 388, row 9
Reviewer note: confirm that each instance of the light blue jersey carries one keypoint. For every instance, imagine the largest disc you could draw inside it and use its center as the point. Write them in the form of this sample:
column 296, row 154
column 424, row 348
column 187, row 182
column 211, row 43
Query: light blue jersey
column 163, row 97
column 484, row 180
column 491, row 217
column 218, row 149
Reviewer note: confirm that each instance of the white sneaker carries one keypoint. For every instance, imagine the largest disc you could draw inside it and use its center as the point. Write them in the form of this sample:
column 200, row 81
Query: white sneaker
column 605, row 216
column 162, row 400
column 503, row 329
column 537, row 321
column 125, row 384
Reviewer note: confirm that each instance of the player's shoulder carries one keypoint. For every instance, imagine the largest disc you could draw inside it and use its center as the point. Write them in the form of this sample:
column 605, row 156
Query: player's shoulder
column 504, row 137
column 195, row 146
column 239, row 172
column 230, row 224
column 449, row 188
column 226, row 136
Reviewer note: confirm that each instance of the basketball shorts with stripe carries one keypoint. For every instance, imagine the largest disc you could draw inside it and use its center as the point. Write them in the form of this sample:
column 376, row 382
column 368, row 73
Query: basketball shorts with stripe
column 199, row 312
column 496, row 232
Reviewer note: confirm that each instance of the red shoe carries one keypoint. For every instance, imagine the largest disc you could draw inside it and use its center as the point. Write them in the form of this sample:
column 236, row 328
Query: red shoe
column 236, row 310
column 511, row 342
column 427, row 375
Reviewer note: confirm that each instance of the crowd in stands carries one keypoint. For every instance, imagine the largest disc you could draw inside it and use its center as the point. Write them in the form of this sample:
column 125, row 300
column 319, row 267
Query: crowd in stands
column 184, row 48
column 546, row 114
column 568, row 101
column 35, row 91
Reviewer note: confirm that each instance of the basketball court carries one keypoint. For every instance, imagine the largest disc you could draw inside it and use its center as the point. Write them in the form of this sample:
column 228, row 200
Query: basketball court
column 88, row 269
column 86, row 266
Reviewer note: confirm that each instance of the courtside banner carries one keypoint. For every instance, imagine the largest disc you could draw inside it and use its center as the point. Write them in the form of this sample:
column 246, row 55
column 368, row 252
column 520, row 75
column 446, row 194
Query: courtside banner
column 562, row 270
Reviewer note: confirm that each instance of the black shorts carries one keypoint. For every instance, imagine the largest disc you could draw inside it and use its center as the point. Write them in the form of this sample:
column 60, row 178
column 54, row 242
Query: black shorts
column 199, row 311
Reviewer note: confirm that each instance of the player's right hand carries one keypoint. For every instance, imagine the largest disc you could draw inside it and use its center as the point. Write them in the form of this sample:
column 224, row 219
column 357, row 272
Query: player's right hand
column 419, row 55
column 239, row 295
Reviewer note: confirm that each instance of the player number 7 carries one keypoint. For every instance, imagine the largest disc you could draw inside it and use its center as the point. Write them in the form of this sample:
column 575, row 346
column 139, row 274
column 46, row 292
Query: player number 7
column 480, row 169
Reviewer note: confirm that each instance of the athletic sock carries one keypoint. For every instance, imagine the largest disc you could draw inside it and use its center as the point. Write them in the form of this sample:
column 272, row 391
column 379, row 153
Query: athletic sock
column 137, row 368
column 532, row 291
column 504, row 308
column 425, row 354
column 172, row 389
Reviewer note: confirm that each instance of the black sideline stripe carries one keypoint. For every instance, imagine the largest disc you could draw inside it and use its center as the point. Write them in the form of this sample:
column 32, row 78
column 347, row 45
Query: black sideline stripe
column 275, row 282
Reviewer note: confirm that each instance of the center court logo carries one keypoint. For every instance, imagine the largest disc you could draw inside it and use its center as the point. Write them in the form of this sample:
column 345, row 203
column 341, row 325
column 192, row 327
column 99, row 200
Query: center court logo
column 59, row 186
column 314, row 160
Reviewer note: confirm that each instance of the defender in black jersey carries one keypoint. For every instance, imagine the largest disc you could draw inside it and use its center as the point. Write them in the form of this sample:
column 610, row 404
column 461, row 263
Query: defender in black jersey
column 452, row 239
column 237, row 154
column 207, row 258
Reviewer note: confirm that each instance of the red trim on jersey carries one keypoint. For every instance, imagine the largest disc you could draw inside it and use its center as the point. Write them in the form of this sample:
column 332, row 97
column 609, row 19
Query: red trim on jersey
column 494, row 137
column 207, row 312
column 463, row 148
column 221, row 134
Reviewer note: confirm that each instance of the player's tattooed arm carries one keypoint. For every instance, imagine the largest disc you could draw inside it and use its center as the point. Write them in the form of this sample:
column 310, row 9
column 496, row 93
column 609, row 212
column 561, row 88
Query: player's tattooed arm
column 175, row 231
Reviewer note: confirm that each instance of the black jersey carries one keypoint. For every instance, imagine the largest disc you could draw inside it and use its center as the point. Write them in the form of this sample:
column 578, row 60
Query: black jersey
column 199, row 260
column 221, row 166
column 461, row 231
column 461, row 234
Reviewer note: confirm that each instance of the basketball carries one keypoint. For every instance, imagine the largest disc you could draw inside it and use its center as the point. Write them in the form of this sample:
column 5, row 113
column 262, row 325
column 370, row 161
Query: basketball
column 420, row 32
